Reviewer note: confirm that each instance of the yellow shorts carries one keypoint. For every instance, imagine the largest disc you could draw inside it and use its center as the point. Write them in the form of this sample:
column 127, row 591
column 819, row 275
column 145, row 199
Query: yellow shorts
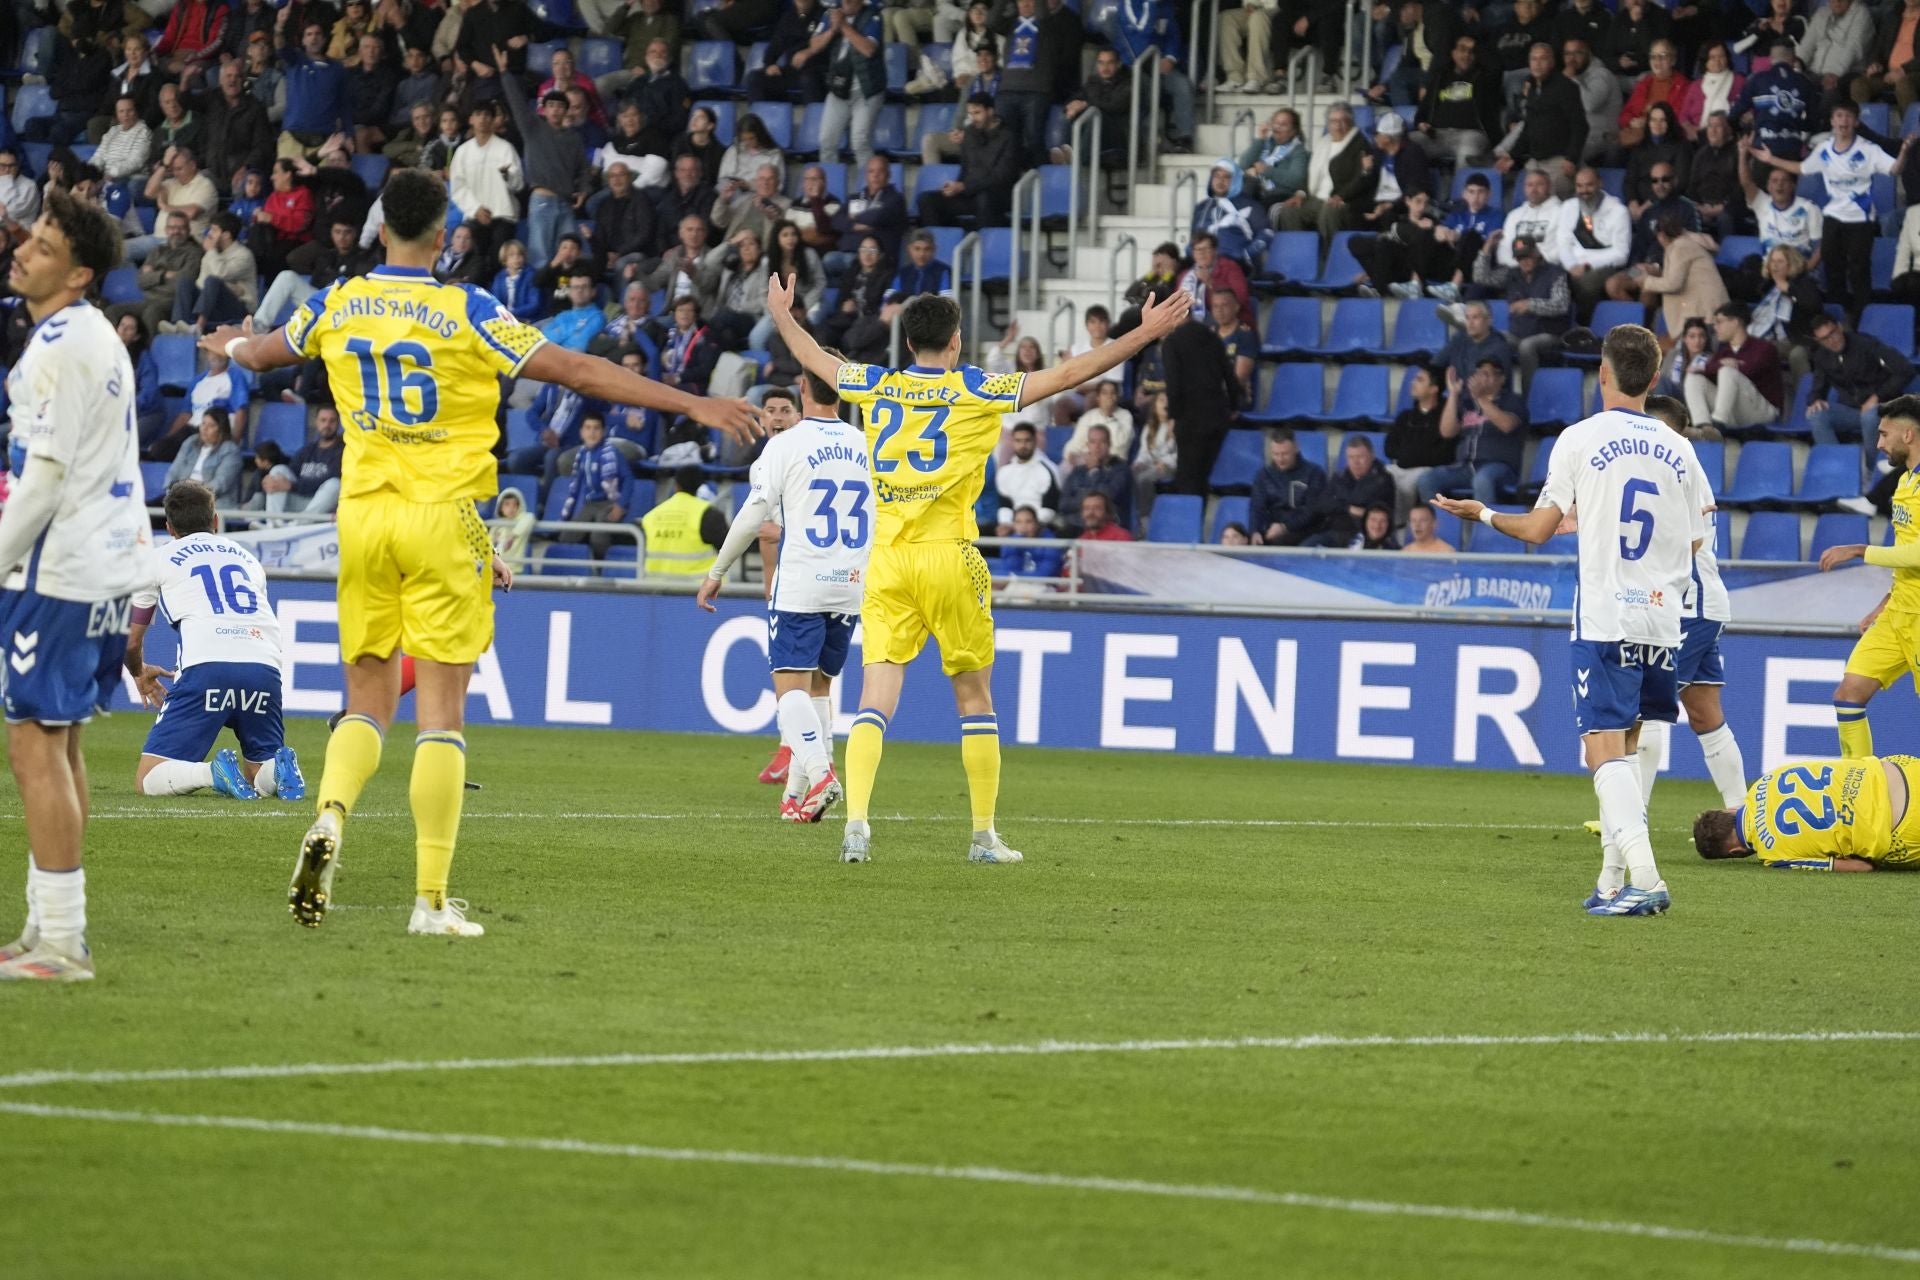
column 1889, row 649
column 1905, row 849
column 414, row 576
column 917, row 589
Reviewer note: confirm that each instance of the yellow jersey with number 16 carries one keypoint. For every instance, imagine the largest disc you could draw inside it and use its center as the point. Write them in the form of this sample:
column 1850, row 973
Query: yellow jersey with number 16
column 414, row 366
column 930, row 432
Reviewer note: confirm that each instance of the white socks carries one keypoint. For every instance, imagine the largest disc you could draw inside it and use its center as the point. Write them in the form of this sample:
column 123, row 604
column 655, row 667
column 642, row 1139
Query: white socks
column 177, row 778
column 266, row 782
column 33, row 907
column 823, row 711
column 1653, row 748
column 1623, row 821
column 1724, row 765
column 60, row 900
column 800, row 730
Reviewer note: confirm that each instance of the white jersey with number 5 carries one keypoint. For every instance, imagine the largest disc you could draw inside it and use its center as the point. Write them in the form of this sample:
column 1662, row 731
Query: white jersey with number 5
column 1706, row 593
column 215, row 594
column 1635, row 484
column 813, row 478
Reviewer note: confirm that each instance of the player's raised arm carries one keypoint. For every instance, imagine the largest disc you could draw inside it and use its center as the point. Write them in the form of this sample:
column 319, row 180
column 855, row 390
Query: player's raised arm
column 605, row 380
column 1534, row 526
column 254, row 352
column 1157, row 319
column 812, row 357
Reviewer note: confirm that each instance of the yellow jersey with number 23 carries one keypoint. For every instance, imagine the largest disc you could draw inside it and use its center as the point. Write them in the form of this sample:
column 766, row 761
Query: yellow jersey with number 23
column 930, row 432
column 414, row 366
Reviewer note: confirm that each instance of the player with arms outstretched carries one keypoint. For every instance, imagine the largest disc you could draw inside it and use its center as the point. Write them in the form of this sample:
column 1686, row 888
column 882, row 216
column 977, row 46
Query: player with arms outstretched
column 227, row 675
column 1635, row 484
column 1889, row 646
column 74, row 547
column 415, row 366
column 1822, row 815
column 930, row 428
column 813, row 481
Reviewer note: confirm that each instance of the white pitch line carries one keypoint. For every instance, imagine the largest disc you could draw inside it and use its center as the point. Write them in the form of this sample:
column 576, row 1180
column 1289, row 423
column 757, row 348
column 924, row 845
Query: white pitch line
column 984, row 1174
column 891, row 1053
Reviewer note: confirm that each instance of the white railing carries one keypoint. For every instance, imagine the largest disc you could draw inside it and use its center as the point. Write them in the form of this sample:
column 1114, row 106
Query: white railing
column 1025, row 267
column 1131, row 247
column 1150, row 55
column 1188, row 181
column 1067, row 308
column 969, row 251
column 1303, row 68
column 1202, row 71
column 1085, row 154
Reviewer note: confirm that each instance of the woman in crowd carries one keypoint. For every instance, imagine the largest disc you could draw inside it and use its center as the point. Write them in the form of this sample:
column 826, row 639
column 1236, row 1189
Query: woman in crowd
column 1717, row 89
column 1788, row 306
column 753, row 149
column 790, row 256
column 1155, row 462
column 1664, row 143
column 1275, row 162
column 853, row 324
column 1689, row 355
column 699, row 141
column 1108, row 412
column 1688, row 283
column 742, row 293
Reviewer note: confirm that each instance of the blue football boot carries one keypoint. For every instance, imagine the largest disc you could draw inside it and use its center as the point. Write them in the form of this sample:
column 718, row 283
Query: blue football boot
column 1632, row 902
column 288, row 783
column 227, row 778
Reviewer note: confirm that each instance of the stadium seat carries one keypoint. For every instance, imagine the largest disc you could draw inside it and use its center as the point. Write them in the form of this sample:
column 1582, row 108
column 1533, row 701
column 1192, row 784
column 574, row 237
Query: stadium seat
column 1358, row 328
column 806, row 139
column 1763, row 474
column 1537, row 473
column 556, row 499
column 371, row 169
column 1877, row 116
column 34, row 157
column 996, row 257
column 173, row 353
column 1293, row 257
column 153, row 480
column 1838, row 529
column 712, row 65
column 36, row 52
column 1723, row 536
column 1613, row 182
column 1242, row 454
column 890, row 129
column 121, row 285
column 1417, row 331
column 1795, row 422
column 935, row 117
column 1713, row 461
column 1832, row 473
column 1886, row 249
column 1447, row 528
column 1342, row 270
column 31, row 101
column 564, row 559
column 1176, row 518
column 1227, row 511
column 1560, row 544
column 899, row 66
column 1733, row 251
column 945, row 241
column 1892, row 323
column 1771, row 535
column 1295, row 392
column 1056, row 442
column 1488, row 541
column 623, row 561
column 778, row 117
column 1292, row 327
column 540, row 57
column 1360, row 393
column 598, row 57
column 284, row 424
column 528, row 485
column 930, row 178
column 1313, row 448
column 1056, row 186
column 1553, row 401
column 726, row 115
column 523, row 430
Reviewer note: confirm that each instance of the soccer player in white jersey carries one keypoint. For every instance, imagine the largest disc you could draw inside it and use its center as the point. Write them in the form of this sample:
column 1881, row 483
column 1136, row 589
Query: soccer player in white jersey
column 812, row 480
column 1635, row 485
column 74, row 547
column 778, row 411
column 228, row 672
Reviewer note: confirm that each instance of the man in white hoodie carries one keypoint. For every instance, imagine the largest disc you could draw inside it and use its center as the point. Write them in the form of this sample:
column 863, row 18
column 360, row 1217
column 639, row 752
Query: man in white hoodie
column 1590, row 239
column 482, row 180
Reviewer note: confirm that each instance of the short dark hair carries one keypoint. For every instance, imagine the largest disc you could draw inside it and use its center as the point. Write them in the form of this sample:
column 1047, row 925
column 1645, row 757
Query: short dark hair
column 415, row 203
column 189, row 507
column 1278, row 434
column 1105, row 501
column 1846, row 105
column 688, row 479
column 1713, row 833
column 1906, row 408
column 981, row 100
column 1671, row 411
column 1207, row 236
column 1358, row 441
column 552, row 96
column 1097, row 310
column 1736, row 311
column 819, row 390
column 92, row 240
column 929, row 322
column 1633, row 353
column 781, row 393
column 1436, row 374
column 1671, row 225
column 228, row 223
column 593, row 415
column 269, row 452
column 1479, row 180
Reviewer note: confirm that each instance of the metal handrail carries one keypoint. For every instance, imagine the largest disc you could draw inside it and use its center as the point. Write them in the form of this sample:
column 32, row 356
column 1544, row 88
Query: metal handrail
column 1205, row 21
column 1028, row 187
column 1150, row 54
column 1304, row 65
column 1251, row 119
column 1187, row 178
column 1366, row 49
column 1087, row 121
column 969, row 249
column 1132, row 247
column 896, row 336
column 1053, row 324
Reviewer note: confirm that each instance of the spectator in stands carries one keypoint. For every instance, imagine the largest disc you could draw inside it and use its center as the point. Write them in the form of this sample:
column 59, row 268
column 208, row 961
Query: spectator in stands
column 176, row 183
column 1414, row 443
column 1715, row 91
column 1687, row 282
column 151, row 414
column 1837, row 47
column 757, row 209
column 284, row 220
column 462, row 261
column 877, row 209
column 124, row 147
column 1356, row 489
column 753, row 149
column 1234, row 534
column 1155, row 23
column 631, row 145
column 1905, row 285
column 1853, row 375
column 1288, row 504
column 1591, row 239
column 1892, row 70
column 1203, row 398
column 513, row 285
column 133, row 78
column 1714, row 185
column 1477, row 340
column 559, row 411
column 173, row 260
column 357, row 21
column 192, row 41
column 689, row 352
column 1780, row 103
column 623, row 226
column 976, row 54
column 266, row 456
column 422, row 85
column 790, row 256
column 1111, row 94
column 681, row 271
column 1627, row 49
column 990, row 164
column 1663, row 147
column 1099, row 472
column 81, row 71
column 1663, row 83
column 558, row 176
column 854, row 325
column 1539, row 303
column 1741, row 385
column 264, row 80
column 512, row 528
column 20, row 197
column 568, row 261
column 581, row 322
column 1789, row 304
column 211, row 457
column 1511, row 44
column 1848, row 162
column 225, row 289
column 817, row 211
column 1406, row 253
column 1040, row 558
column 1691, row 353
column 1211, row 273
column 1402, row 170
column 1782, row 215
column 631, row 326
column 1599, row 95
column 1532, row 219
column 1551, row 134
column 1026, row 479
column 921, row 273
column 439, row 151
column 495, row 34
column 1376, row 532
column 1035, row 39
column 1110, row 416
column 664, row 98
column 1459, row 114
column 1340, row 177
column 238, row 134
column 597, row 494
column 563, row 74
column 856, row 79
column 1229, row 214
column 1246, row 33
column 311, row 268
column 310, row 481
column 689, row 195
column 1155, row 462
column 1490, row 423
column 1099, row 519
column 1275, row 163
column 317, row 103
column 740, row 292
column 371, row 82
column 793, row 65
column 1420, row 533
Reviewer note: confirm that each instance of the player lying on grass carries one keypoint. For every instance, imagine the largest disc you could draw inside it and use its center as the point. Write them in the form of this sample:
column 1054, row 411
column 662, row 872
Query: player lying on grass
column 228, row 672
column 1822, row 815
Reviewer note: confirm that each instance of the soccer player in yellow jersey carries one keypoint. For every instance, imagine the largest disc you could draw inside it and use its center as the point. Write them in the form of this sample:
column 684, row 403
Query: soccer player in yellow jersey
column 415, row 368
column 1822, row 815
column 930, row 428
column 1889, row 646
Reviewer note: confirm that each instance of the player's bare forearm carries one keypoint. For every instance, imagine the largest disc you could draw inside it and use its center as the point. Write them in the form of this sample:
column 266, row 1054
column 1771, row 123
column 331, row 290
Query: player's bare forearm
column 136, row 646
column 1852, row 864
column 605, row 380
column 1157, row 319
column 1535, row 526
column 254, row 352
column 811, row 355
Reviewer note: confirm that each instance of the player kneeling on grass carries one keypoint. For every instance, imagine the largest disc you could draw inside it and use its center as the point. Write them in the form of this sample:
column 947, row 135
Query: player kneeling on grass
column 215, row 594
column 1822, row 815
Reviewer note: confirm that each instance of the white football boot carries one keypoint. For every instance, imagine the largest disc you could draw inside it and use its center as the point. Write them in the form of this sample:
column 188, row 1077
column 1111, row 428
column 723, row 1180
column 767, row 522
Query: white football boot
column 448, row 922
column 991, row 849
column 312, row 887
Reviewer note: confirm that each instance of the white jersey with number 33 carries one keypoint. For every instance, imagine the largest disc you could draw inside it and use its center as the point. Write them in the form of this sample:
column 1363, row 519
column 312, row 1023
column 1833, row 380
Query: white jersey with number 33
column 813, row 478
column 1635, row 484
column 215, row 593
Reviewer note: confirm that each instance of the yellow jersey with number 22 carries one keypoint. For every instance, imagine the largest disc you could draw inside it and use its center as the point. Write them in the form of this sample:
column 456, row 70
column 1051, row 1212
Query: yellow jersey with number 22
column 414, row 366
column 930, row 432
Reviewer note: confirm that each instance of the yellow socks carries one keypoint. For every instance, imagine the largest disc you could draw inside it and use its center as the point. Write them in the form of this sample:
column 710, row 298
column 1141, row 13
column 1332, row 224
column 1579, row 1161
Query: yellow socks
column 863, row 761
column 353, row 756
column 980, row 754
column 1856, row 735
column 438, row 788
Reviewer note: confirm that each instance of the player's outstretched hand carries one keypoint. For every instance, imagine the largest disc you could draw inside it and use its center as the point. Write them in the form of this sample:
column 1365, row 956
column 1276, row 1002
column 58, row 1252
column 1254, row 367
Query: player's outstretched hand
column 709, row 590
column 502, row 574
column 152, row 692
column 1833, row 557
column 735, row 417
column 779, row 296
column 1466, row 508
column 215, row 343
column 1161, row 316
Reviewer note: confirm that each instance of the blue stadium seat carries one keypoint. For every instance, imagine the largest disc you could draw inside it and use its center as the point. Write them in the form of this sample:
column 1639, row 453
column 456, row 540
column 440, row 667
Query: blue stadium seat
column 1560, row 544
column 1763, row 474
column 1242, row 454
column 153, row 481
column 36, row 52
column 31, row 101
column 173, row 353
column 1795, row 422
column 1877, row 116
column 1723, row 535
column 1176, row 518
column 890, row 131
column 941, row 55
column 1417, row 331
column 1613, row 182
column 1227, row 511
column 1814, row 188
column 540, row 57
column 712, row 65
column 1832, row 473
column 996, row 256
column 371, row 169
column 284, row 424
column 899, row 64
column 564, row 559
column 935, row 117
column 34, row 157
column 523, row 429
column 1886, row 204
column 1292, row 256
column 1733, row 251
column 623, row 561
column 1892, row 323
column 1713, row 461
column 1358, row 327
column 1360, row 393
column 1537, row 473
column 1838, row 529
column 121, row 285
column 1056, row 442
column 1448, row 529
column 1056, row 182
column 1295, row 392
column 1771, row 535
column 945, row 241
column 599, row 56
column 556, row 498
column 1554, row 398
column 778, row 117
column 1057, row 131
column 1342, row 270
column 726, row 115
column 1492, row 542
column 930, row 178
column 1313, row 447
column 1292, row 327
column 806, row 139
column 1885, row 250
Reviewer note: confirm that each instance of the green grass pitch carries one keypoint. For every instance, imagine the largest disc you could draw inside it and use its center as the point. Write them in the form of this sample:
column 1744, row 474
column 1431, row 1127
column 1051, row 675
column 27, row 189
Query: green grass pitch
column 641, row 900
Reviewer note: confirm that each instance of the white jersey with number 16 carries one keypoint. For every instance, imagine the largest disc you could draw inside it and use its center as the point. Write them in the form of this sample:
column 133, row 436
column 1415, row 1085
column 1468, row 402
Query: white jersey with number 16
column 215, row 593
column 1635, row 484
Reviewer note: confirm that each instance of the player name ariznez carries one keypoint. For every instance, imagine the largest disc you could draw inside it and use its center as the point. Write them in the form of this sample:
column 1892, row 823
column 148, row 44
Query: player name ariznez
column 1612, row 449
column 398, row 308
